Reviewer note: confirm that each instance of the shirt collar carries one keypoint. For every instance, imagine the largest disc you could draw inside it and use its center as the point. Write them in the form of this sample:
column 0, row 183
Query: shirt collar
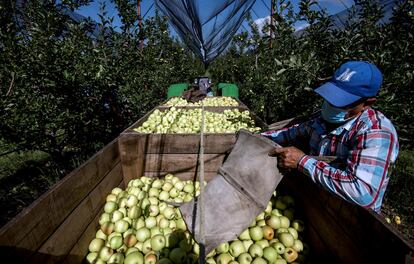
column 320, row 126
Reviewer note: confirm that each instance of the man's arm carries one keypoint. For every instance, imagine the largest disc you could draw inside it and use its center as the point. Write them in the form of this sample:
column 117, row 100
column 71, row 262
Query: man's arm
column 364, row 180
column 288, row 136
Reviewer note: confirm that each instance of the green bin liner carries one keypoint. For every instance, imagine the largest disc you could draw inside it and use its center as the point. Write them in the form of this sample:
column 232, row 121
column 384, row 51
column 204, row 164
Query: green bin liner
column 176, row 89
column 229, row 89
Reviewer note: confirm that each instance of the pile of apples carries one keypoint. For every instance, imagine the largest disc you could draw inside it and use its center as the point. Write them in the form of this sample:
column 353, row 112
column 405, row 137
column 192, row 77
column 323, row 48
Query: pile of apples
column 139, row 226
column 178, row 120
column 208, row 101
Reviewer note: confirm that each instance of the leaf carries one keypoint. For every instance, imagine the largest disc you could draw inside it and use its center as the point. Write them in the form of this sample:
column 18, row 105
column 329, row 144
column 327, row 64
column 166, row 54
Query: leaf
column 281, row 71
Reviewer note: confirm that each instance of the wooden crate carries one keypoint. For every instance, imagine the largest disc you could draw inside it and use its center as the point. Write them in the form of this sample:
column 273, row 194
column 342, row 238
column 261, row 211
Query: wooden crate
column 58, row 227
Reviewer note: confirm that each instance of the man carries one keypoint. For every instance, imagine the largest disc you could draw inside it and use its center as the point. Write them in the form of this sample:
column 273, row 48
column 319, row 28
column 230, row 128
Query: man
column 360, row 137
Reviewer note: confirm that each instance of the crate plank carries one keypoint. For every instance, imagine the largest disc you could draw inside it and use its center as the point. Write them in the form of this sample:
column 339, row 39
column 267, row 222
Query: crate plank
column 181, row 162
column 28, row 230
column 62, row 240
column 79, row 251
column 131, row 150
column 186, row 175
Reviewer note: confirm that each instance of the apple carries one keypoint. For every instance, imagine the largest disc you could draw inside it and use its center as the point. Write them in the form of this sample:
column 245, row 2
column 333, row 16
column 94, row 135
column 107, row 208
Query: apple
column 256, row 233
column 134, row 212
column 171, row 240
column 164, row 223
column 286, row 239
column 150, row 258
column 276, row 212
column 174, row 193
column 261, row 223
column 143, row 234
column 138, row 223
column 130, row 250
column 134, row 191
column 181, row 224
column 293, row 232
column 224, row 258
column 164, row 195
column 210, row 261
column 130, row 240
column 273, row 221
column 139, row 246
column 116, row 242
column 157, row 184
column 167, row 186
column 280, row 204
column 223, row 247
column 245, row 235
column 169, row 213
column 105, row 253
column 290, row 255
column 116, row 190
column 185, row 244
column 117, row 258
column 177, row 255
column 92, row 257
column 245, row 258
column 247, row 244
column 101, row 235
column 261, row 216
column 146, row 247
column 268, row 209
column 150, row 222
column 113, row 235
column 280, row 248
column 96, row 245
column 259, row 260
column 153, row 200
column 158, row 242
column 284, row 222
column 288, row 200
column 121, row 226
column 134, row 258
column 110, row 207
column 289, row 213
column 298, row 225
column 153, row 192
column 280, row 261
column 131, row 200
column 145, row 203
column 179, row 186
column 189, row 188
column 255, row 251
column 111, row 197
column 153, row 210
column 298, row 245
column 270, row 254
column 142, row 195
column 105, row 217
column 107, row 228
column 268, row 232
column 236, row 248
column 263, row 243
column 116, row 215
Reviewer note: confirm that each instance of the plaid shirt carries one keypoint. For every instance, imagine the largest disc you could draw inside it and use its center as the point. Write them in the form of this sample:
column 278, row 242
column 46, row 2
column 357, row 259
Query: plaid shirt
column 366, row 145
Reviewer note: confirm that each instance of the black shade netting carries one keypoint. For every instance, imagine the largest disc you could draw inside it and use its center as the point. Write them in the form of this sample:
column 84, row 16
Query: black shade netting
column 207, row 27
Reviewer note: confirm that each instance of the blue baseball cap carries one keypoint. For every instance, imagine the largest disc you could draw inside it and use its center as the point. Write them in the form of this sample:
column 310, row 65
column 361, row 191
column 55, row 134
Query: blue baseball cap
column 351, row 82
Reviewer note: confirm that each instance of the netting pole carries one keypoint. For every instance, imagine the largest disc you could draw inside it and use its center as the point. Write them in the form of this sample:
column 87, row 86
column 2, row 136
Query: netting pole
column 140, row 25
column 271, row 23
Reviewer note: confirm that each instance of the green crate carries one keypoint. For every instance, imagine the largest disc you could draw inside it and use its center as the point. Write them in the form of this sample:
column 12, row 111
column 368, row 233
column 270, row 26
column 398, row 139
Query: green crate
column 228, row 89
column 176, row 89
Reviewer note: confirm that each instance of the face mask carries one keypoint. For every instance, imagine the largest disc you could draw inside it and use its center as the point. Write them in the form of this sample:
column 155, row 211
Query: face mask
column 333, row 114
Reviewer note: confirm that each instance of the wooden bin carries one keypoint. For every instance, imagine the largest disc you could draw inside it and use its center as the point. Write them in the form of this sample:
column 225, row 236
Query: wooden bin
column 58, row 226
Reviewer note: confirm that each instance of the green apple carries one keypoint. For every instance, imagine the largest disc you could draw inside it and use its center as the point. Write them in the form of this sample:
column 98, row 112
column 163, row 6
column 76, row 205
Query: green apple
column 164, row 223
column 169, row 213
column 130, row 240
column 117, row 258
column 263, row 243
column 116, row 215
column 132, row 200
column 157, row 184
column 255, row 251
column 247, row 244
column 245, row 235
column 286, row 239
column 256, row 233
column 298, row 225
column 110, row 207
column 105, row 217
column 105, row 253
column 284, row 222
column 236, row 248
column 280, row 204
column 273, row 221
column 143, row 234
column 276, row 212
column 100, row 234
column 261, row 222
column 157, row 242
column 150, row 258
column 146, row 247
column 288, row 200
column 155, row 231
column 138, row 223
column 153, row 210
column 186, row 245
column 130, row 250
column 224, row 258
column 164, row 196
column 289, row 213
column 92, row 257
column 293, row 232
column 280, row 261
column 298, row 245
column 270, row 254
column 259, row 260
column 150, row 222
column 167, row 186
column 121, row 226
column 245, row 258
column 210, row 261
column 177, row 255
column 223, row 248
column 134, row 212
column 107, row 228
column 280, row 248
column 153, row 200
column 96, row 245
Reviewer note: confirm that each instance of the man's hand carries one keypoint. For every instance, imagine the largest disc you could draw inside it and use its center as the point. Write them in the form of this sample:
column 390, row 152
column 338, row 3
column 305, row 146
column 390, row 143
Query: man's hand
column 288, row 157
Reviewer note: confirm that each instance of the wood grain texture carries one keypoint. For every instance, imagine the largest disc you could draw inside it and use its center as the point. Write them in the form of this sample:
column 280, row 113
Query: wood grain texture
column 28, row 230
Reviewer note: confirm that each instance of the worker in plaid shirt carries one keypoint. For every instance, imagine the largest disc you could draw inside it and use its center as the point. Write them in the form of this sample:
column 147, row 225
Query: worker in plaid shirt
column 362, row 138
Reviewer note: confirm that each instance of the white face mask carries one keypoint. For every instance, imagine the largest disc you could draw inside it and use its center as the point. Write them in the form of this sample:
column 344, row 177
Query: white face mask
column 333, row 114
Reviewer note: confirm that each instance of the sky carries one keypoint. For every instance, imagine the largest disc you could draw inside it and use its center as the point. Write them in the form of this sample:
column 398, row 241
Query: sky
column 260, row 9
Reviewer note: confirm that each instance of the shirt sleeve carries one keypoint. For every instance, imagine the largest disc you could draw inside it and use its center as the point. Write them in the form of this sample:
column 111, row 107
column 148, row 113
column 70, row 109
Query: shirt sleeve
column 288, row 136
column 365, row 177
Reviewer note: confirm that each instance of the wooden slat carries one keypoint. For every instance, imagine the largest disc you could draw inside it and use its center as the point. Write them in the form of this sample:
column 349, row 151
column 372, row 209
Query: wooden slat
column 188, row 175
column 27, row 231
column 63, row 239
column 131, row 151
column 181, row 162
column 80, row 249
column 183, row 143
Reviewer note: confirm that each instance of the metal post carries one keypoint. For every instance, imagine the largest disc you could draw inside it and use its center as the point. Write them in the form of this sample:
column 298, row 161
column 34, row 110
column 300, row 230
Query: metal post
column 141, row 41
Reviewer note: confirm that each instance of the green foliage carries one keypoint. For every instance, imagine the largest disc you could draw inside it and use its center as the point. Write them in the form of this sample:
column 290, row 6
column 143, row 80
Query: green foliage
column 67, row 93
column 277, row 82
